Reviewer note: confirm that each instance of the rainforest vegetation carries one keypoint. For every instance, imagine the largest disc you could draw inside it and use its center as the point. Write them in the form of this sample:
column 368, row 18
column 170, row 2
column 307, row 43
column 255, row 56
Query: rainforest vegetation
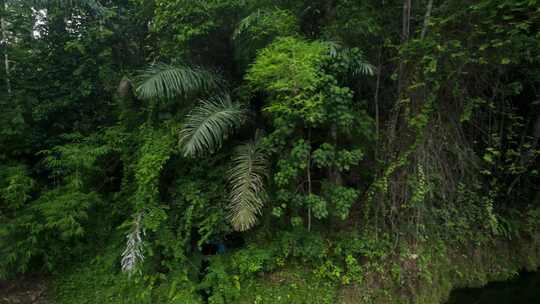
column 268, row 151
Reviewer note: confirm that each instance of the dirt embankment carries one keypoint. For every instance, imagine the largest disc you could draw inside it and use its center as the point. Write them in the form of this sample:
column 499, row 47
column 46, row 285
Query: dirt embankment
column 28, row 290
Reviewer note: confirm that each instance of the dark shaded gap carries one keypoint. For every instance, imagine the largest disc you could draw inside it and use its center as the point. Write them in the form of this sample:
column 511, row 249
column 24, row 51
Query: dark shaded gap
column 525, row 288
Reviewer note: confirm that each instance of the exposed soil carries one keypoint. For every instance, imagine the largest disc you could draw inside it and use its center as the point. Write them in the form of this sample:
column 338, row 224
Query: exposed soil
column 27, row 290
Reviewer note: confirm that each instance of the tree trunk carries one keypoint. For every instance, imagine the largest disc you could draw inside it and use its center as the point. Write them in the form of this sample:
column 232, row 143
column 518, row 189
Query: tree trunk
column 308, row 174
column 402, row 77
column 3, row 27
column 405, row 32
column 426, row 18
column 376, row 100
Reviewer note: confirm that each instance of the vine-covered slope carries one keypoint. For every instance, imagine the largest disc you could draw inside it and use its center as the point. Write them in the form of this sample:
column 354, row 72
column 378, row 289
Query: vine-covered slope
column 268, row 151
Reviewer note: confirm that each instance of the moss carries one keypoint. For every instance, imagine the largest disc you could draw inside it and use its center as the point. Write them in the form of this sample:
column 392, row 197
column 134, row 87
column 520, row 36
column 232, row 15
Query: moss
column 452, row 267
column 424, row 277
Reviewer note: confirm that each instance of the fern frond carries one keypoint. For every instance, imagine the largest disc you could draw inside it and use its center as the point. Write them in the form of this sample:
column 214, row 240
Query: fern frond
column 246, row 179
column 165, row 81
column 209, row 124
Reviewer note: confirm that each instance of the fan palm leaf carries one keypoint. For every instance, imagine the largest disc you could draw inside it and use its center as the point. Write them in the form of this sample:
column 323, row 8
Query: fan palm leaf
column 163, row 81
column 208, row 124
column 246, row 180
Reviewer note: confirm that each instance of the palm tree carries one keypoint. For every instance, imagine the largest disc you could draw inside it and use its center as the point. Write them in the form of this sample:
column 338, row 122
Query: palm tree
column 205, row 129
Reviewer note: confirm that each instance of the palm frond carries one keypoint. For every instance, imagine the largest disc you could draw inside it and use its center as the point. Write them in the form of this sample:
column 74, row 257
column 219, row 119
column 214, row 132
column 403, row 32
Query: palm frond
column 358, row 65
column 333, row 48
column 133, row 254
column 165, row 81
column 246, row 179
column 209, row 124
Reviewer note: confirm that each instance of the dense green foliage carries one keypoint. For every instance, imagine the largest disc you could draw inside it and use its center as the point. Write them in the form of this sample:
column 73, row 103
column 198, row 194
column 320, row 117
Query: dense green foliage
column 232, row 151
